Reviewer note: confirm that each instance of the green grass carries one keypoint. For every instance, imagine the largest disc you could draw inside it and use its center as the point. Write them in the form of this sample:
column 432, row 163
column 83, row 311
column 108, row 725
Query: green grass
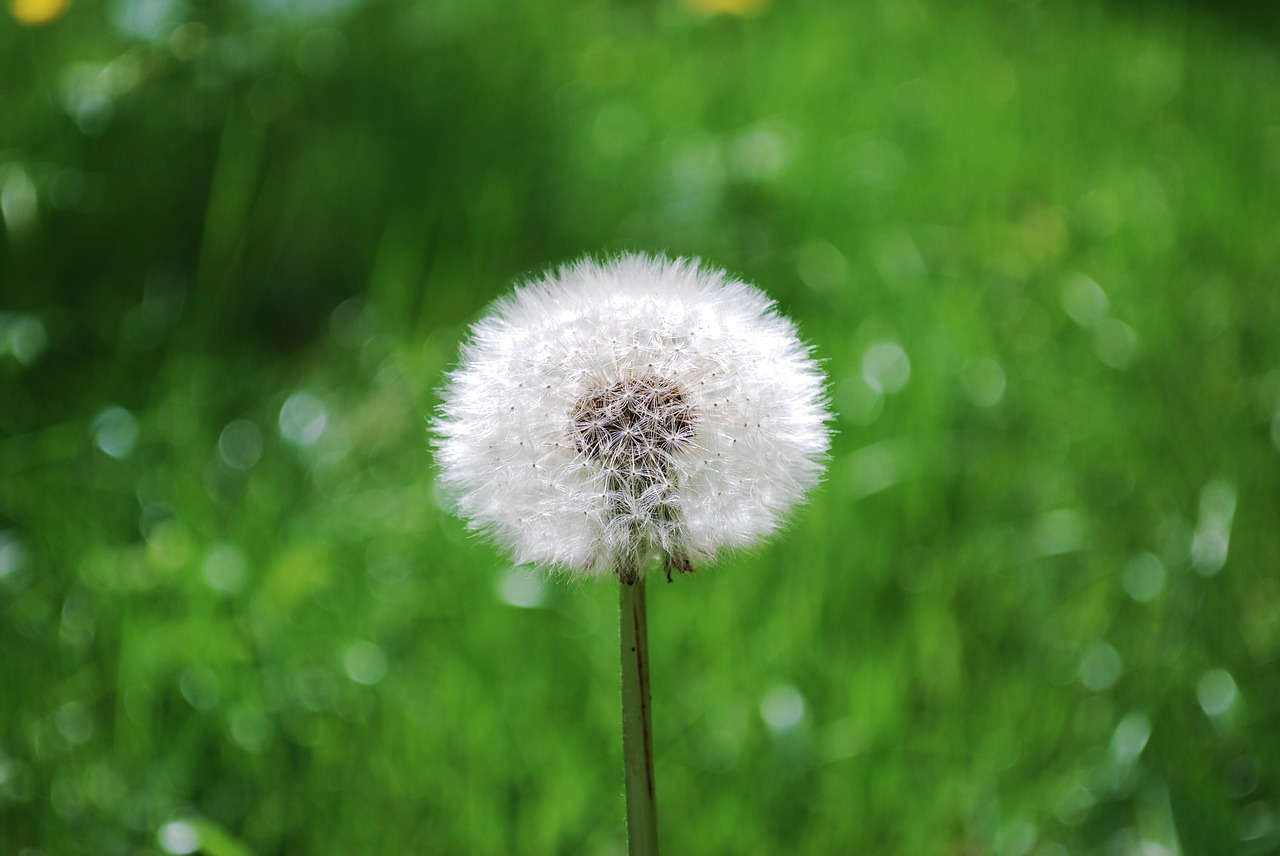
column 1065, row 216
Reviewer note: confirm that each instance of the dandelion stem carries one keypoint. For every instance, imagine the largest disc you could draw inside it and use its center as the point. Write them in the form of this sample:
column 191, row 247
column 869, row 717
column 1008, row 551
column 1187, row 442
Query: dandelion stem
column 637, row 736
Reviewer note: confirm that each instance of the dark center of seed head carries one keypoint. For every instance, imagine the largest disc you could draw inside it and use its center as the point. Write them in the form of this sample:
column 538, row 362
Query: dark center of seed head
column 644, row 417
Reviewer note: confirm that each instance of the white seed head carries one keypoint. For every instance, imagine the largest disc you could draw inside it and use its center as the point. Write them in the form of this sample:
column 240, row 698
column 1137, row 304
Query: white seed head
column 613, row 412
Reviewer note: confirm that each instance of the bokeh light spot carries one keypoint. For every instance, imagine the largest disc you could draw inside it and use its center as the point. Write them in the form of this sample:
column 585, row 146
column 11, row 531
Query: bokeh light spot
column 758, row 155
column 179, row 837
column 782, row 707
column 898, row 259
column 303, row 419
column 1210, row 549
column 74, row 722
column 365, row 663
column 876, row 163
column 885, row 367
column 1131, row 736
column 1212, row 539
column 200, row 687
column 249, row 728
column 1059, row 532
column 857, row 401
column 1257, row 821
column 352, row 323
column 12, row 554
column 79, row 620
column 168, row 542
column 983, row 381
column 84, row 98
column 719, row 751
column 19, row 206
column 146, row 19
column 115, row 431
column 1144, row 577
column 1074, row 805
column 521, row 587
column 24, row 336
column 225, row 569
column 240, row 444
column 1216, row 692
column 36, row 12
column 1115, row 342
column 1100, row 668
column 821, row 266
column 874, row 468
column 1016, row 838
column 1084, row 300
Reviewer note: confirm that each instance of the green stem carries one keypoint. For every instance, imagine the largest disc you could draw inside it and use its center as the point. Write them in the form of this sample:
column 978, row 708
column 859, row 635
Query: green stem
column 637, row 736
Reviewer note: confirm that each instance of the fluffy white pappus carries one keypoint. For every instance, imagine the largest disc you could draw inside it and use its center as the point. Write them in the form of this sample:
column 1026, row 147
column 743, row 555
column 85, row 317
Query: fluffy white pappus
column 614, row 412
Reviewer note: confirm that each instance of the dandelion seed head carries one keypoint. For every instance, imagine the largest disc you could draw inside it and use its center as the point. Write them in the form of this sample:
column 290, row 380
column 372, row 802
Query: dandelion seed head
column 613, row 412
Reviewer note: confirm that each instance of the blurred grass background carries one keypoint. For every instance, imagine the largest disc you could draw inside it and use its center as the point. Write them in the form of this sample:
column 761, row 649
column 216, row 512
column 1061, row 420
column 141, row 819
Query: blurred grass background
column 1035, row 608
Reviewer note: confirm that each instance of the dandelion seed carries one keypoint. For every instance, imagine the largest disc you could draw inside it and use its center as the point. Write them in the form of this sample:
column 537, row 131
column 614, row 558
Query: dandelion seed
column 586, row 374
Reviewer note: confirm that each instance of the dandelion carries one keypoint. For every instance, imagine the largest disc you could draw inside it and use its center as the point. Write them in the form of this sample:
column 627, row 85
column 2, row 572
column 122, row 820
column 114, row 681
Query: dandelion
column 611, row 415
